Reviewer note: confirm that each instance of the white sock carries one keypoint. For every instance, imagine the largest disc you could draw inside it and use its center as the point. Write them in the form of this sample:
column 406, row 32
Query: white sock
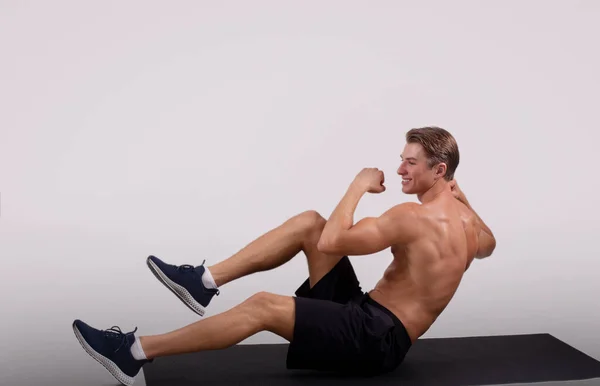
column 208, row 280
column 137, row 351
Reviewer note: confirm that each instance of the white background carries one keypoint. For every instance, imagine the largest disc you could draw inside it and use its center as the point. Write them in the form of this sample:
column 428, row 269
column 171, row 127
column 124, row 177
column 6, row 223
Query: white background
column 187, row 129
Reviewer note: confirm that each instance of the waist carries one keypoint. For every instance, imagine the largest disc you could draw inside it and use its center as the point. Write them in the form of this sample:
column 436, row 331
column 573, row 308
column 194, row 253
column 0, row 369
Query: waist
column 400, row 330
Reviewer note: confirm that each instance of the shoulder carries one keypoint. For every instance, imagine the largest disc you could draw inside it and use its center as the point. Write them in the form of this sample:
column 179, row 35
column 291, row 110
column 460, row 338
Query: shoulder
column 408, row 211
column 403, row 222
column 406, row 208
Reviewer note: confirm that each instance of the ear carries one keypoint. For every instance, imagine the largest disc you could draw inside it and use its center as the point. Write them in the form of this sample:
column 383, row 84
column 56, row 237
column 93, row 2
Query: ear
column 441, row 170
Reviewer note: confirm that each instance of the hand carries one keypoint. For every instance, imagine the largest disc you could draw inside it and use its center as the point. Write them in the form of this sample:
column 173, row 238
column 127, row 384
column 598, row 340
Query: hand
column 371, row 179
column 456, row 192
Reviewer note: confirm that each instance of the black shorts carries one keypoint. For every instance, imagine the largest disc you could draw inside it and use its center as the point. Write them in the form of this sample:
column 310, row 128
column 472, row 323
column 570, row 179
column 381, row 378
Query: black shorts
column 340, row 328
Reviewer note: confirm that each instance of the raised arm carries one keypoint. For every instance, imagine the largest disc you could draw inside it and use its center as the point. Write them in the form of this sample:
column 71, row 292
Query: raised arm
column 371, row 234
column 487, row 241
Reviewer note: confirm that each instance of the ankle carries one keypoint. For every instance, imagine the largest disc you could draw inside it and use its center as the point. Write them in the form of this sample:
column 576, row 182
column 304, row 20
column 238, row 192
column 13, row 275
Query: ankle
column 218, row 278
column 137, row 350
column 145, row 347
column 209, row 279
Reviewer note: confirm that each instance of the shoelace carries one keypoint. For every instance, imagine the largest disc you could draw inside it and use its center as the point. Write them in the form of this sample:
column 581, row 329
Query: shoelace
column 116, row 333
column 187, row 267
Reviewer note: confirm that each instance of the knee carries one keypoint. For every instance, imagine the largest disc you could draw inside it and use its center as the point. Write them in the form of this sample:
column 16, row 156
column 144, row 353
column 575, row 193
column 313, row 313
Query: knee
column 271, row 312
column 311, row 220
column 261, row 299
column 260, row 302
column 261, row 305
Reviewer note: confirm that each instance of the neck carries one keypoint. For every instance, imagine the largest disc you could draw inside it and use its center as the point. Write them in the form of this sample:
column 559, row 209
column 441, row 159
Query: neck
column 438, row 187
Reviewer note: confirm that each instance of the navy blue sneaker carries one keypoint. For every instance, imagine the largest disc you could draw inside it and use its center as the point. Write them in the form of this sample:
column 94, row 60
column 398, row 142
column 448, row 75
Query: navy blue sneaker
column 185, row 281
column 112, row 349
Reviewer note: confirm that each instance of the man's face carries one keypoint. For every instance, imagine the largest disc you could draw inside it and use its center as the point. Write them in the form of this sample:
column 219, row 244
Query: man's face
column 416, row 176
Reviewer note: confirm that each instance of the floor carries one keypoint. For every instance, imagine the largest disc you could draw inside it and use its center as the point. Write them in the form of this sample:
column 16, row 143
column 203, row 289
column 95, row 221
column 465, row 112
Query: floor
column 70, row 366
column 89, row 372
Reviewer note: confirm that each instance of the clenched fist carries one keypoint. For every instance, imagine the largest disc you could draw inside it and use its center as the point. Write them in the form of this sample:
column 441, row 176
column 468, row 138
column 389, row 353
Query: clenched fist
column 371, row 180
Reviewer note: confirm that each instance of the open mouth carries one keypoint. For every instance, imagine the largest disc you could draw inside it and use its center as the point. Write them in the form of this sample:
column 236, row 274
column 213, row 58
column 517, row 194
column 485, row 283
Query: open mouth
column 406, row 181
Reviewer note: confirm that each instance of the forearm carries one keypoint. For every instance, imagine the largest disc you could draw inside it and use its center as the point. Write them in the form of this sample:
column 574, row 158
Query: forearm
column 342, row 218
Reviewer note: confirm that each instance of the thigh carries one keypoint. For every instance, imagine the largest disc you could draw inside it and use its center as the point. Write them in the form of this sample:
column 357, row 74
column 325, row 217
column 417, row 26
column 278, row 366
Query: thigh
column 337, row 337
column 339, row 284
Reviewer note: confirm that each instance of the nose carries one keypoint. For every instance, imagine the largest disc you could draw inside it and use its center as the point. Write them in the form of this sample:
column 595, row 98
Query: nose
column 401, row 170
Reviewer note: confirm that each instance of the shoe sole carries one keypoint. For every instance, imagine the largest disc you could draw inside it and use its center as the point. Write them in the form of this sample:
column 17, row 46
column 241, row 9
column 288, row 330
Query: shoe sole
column 109, row 365
column 178, row 290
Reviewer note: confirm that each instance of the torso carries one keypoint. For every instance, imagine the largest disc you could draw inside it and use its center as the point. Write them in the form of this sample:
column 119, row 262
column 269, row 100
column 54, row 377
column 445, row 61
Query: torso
column 425, row 274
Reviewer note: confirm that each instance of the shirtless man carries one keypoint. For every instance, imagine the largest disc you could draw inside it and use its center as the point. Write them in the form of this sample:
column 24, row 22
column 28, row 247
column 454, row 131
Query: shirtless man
column 331, row 323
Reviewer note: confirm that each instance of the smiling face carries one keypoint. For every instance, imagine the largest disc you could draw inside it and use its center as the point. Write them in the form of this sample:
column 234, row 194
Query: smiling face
column 417, row 176
column 429, row 161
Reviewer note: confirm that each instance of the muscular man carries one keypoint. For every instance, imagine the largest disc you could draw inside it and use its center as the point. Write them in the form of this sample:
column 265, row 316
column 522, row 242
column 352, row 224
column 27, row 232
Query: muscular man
column 331, row 323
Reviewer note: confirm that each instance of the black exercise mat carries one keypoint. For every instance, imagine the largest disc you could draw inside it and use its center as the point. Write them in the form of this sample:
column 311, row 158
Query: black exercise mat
column 440, row 361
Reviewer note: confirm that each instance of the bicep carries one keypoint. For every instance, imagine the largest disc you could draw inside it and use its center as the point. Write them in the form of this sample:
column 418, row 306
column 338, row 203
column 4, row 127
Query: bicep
column 374, row 234
column 365, row 237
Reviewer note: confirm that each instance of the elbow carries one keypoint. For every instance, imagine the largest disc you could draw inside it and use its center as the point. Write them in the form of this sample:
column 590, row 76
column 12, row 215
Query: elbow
column 492, row 246
column 326, row 246
column 487, row 250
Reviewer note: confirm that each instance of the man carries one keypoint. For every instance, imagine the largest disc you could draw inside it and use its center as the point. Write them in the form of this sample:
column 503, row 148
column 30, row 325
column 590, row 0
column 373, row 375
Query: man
column 331, row 323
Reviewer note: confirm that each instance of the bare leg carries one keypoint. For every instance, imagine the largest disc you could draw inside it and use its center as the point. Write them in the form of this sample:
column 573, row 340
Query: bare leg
column 261, row 312
column 278, row 246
